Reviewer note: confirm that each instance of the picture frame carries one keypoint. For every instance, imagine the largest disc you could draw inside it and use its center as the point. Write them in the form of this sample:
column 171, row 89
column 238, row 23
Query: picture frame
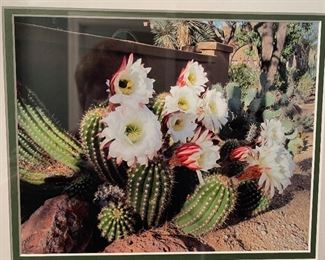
column 8, row 75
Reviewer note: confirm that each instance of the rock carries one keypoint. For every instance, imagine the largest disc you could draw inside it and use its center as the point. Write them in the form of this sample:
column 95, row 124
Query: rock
column 59, row 226
column 164, row 239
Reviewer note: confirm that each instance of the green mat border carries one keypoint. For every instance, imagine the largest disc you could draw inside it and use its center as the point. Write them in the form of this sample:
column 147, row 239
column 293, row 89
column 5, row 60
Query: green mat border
column 8, row 15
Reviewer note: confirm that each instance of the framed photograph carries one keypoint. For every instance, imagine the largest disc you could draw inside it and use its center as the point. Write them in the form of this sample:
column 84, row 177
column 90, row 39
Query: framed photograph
column 162, row 134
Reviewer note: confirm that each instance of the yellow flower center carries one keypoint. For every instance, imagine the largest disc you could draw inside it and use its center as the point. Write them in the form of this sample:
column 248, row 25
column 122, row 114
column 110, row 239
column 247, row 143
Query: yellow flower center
column 133, row 132
column 117, row 213
column 183, row 104
column 178, row 125
column 201, row 160
column 192, row 78
column 213, row 107
column 126, row 86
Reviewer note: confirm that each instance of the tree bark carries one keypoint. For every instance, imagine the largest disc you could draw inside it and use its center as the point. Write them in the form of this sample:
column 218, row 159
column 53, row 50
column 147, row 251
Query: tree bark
column 272, row 46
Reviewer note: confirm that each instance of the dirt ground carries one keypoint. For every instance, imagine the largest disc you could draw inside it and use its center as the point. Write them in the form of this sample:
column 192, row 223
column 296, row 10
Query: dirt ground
column 285, row 226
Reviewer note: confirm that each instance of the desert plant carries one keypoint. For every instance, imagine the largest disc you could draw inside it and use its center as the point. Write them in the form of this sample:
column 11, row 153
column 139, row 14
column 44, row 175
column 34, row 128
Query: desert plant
column 250, row 200
column 44, row 149
column 90, row 128
column 148, row 191
column 306, row 86
column 208, row 207
column 116, row 220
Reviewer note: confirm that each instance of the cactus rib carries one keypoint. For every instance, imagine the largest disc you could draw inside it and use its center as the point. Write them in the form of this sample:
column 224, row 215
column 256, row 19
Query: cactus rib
column 207, row 208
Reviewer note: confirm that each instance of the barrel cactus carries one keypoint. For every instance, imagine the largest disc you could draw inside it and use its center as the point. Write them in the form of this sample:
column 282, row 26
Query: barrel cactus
column 116, row 220
column 208, row 207
column 149, row 191
column 251, row 200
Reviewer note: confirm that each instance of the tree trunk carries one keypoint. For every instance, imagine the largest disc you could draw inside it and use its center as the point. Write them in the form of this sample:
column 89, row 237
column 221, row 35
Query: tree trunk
column 272, row 46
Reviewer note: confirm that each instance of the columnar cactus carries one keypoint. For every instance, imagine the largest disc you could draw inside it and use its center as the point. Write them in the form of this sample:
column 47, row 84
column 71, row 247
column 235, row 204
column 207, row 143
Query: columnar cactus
column 116, row 220
column 90, row 128
column 148, row 191
column 38, row 126
column 250, row 201
column 208, row 207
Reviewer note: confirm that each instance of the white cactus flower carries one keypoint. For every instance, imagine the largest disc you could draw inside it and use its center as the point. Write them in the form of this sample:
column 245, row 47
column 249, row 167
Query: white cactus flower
column 181, row 126
column 132, row 136
column 130, row 84
column 181, row 99
column 214, row 110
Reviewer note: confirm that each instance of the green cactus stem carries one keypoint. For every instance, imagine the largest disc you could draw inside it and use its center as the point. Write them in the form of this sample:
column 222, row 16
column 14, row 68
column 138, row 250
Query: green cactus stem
column 90, row 128
column 40, row 174
column 233, row 168
column 84, row 185
column 251, row 200
column 149, row 191
column 158, row 105
column 116, row 221
column 41, row 130
column 208, row 207
column 227, row 147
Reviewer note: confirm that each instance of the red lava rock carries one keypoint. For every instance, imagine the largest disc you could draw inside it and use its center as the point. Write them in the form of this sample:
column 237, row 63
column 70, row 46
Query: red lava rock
column 157, row 240
column 59, row 226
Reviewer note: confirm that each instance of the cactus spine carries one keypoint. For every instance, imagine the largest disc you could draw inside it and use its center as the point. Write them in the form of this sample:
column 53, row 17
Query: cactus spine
column 251, row 201
column 90, row 128
column 116, row 220
column 148, row 192
column 208, row 207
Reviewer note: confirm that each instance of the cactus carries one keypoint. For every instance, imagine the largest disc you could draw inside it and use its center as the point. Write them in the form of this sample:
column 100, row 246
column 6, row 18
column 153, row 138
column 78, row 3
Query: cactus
column 249, row 97
column 41, row 130
column 227, row 147
column 269, row 99
column 90, row 128
column 269, row 114
column 233, row 168
column 295, row 145
column 116, row 220
column 158, row 105
column 149, row 191
column 107, row 193
column 84, row 185
column 234, row 97
column 252, row 133
column 208, row 207
column 39, row 174
column 250, row 201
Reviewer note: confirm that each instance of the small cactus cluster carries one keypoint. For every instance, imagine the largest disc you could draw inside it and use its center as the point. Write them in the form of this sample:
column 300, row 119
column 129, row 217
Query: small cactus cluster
column 208, row 207
column 149, row 191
